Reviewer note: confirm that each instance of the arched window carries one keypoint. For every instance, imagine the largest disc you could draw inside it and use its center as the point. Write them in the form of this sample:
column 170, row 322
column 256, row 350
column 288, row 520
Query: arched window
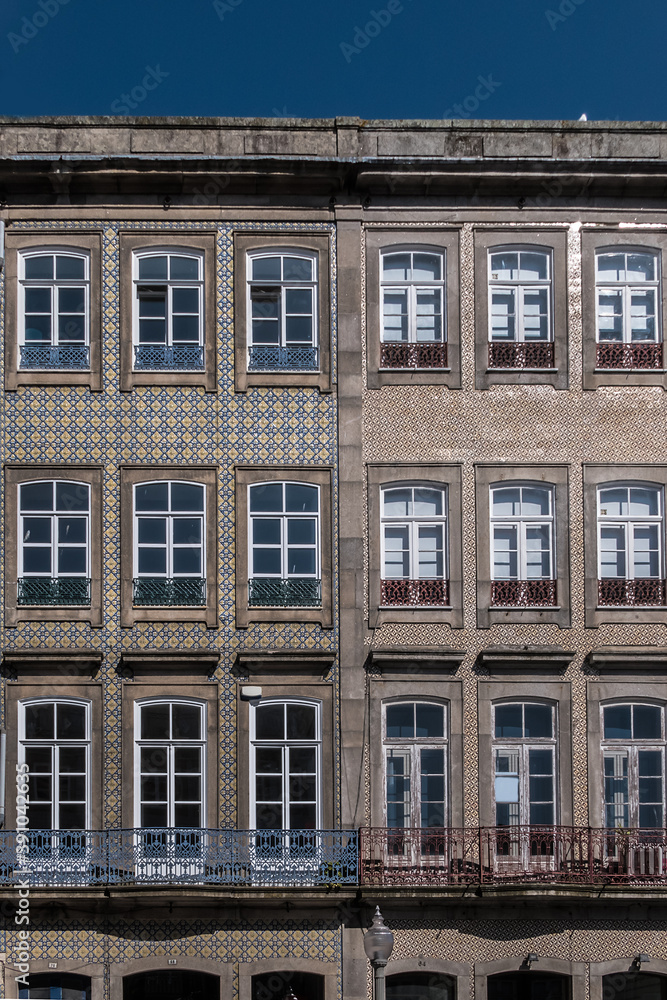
column 54, row 310
column 420, row 986
column 628, row 313
column 414, row 546
column 633, row 755
column 55, row 986
column 54, row 543
column 528, row 985
column 284, row 538
column 169, row 544
column 413, row 309
column 634, row 985
column 277, row 985
column 520, row 309
column 171, row 984
column 524, row 756
column 282, row 311
column 522, row 545
column 630, row 544
column 168, row 322
column 416, row 742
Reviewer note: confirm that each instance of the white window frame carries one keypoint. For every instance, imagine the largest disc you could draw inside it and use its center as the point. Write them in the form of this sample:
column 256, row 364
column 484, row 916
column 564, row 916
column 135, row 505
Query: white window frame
column 631, row 748
column 280, row 288
column 521, row 522
column 630, row 523
column 413, row 288
column 523, row 745
column 54, row 516
column 413, row 746
column 284, row 517
column 170, row 745
column 56, row 745
column 627, row 289
column 285, row 745
column 520, row 288
column 168, row 516
column 413, row 523
column 169, row 284
column 54, row 284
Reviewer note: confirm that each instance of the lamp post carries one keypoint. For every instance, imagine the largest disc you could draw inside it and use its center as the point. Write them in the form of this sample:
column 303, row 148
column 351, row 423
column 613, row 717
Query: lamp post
column 378, row 945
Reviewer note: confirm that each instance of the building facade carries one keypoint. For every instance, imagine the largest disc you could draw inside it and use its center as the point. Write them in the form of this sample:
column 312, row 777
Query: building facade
column 334, row 507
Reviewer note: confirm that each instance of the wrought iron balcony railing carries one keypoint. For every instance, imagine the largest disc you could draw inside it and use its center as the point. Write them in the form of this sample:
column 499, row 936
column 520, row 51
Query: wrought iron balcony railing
column 549, row 854
column 433, row 355
column 178, row 591
column 45, row 591
column 523, row 593
column 281, row 359
column 158, row 358
column 629, row 356
column 539, row 354
column 296, row 592
column 617, row 592
column 414, row 593
column 70, row 357
column 159, row 856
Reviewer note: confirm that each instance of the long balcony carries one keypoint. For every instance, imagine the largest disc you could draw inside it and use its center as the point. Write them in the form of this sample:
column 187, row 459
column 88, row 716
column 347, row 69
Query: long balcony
column 329, row 859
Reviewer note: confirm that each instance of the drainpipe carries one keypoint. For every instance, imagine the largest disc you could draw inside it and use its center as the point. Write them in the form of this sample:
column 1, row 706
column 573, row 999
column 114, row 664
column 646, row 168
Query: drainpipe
column 3, row 765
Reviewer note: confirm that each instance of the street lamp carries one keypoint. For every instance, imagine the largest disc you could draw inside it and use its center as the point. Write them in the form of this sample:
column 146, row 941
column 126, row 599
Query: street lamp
column 378, row 945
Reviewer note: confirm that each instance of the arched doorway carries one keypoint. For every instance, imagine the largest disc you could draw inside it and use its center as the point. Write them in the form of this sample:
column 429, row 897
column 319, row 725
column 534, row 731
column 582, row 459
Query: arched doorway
column 528, row 984
column 421, row 986
column 633, row 985
column 171, row 984
column 50, row 986
column 276, row 985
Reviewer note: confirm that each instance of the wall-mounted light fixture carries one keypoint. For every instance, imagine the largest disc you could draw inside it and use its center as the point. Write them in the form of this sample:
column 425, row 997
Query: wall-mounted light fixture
column 640, row 960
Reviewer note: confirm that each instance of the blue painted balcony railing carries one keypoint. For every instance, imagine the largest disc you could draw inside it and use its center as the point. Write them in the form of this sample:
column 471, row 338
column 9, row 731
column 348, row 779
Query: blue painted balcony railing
column 68, row 357
column 156, row 357
column 280, row 359
column 159, row 856
column 295, row 592
column 163, row 591
column 45, row 591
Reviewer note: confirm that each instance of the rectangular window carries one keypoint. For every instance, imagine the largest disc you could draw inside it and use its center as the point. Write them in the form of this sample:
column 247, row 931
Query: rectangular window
column 630, row 545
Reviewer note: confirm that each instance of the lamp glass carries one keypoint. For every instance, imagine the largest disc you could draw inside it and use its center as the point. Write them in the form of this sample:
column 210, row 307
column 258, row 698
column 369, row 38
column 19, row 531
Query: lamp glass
column 378, row 940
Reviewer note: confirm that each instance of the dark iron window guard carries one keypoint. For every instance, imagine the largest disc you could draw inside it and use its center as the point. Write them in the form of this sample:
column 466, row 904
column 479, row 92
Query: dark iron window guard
column 44, row 356
column 629, row 356
column 151, row 591
column 155, row 357
column 48, row 592
column 523, row 593
column 521, row 355
column 413, row 355
column 614, row 592
column 414, row 593
column 270, row 359
column 292, row 593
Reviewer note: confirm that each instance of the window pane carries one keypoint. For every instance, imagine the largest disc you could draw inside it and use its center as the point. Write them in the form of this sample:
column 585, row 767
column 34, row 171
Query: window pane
column 270, row 722
column 38, row 300
column 72, row 529
column 187, row 760
column 71, row 300
column 302, row 787
column 72, row 787
column 505, row 554
column 152, row 530
column 535, row 501
column 266, row 268
column 396, row 553
column 647, row 722
column 300, row 722
column 269, row 760
column 153, row 496
column 640, row 267
column 71, row 329
column 299, row 301
column 503, row 314
column 72, row 497
column 268, row 788
column 183, row 268
column 187, row 530
column 155, row 722
column 152, row 562
column 37, row 496
column 39, row 722
column 269, row 817
column 71, row 722
column 37, row 560
column 187, row 788
column 504, row 266
column 73, row 760
column 429, row 316
column 610, row 316
column 266, row 531
column 395, row 315
column 151, row 268
column 541, row 813
column 396, row 267
column 616, row 789
column 611, row 266
column 430, row 721
column 401, row 721
column 426, row 267
column 187, row 562
column 427, row 503
column 536, row 315
column 301, row 531
column 301, row 562
column 617, row 722
column 509, row 721
column 37, row 329
column 70, row 268
column 538, row 552
column 185, row 300
column 612, row 553
column 614, row 502
column 36, row 529
column 266, row 562
column 430, row 552
column 303, row 817
column 300, row 498
column 642, row 315
column 40, row 266
column 397, row 503
column 71, row 562
column 533, row 266
column 39, row 759
column 302, row 760
column 538, row 721
column 186, row 496
column 505, row 501
column 186, row 722
column 644, row 502
column 646, row 552
column 267, row 497
column 297, row 269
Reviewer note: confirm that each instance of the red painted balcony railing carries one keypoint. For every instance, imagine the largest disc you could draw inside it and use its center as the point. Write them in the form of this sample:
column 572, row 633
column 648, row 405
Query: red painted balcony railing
column 523, row 593
column 447, row 856
column 629, row 356
column 415, row 593
column 619, row 593
column 515, row 355
column 433, row 355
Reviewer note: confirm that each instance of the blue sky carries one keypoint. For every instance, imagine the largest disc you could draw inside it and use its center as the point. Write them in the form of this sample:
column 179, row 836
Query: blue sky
column 534, row 59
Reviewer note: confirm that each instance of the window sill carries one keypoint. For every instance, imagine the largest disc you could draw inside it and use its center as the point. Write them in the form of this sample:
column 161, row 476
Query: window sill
column 495, row 371
column 630, row 371
column 415, row 607
column 525, row 607
column 414, row 369
column 631, row 607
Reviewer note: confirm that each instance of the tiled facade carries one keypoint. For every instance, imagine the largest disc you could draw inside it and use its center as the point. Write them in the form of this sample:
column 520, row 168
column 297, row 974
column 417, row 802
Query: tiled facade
column 360, row 187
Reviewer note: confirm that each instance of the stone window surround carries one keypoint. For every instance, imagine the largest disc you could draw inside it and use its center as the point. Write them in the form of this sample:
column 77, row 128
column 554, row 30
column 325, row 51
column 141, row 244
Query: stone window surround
column 621, row 967
column 171, row 241
column 223, row 971
column 591, row 242
column 597, row 475
column 647, row 690
column 420, row 964
column 276, row 689
column 15, row 475
column 70, row 966
column 248, row 475
column 247, row 970
column 16, row 243
column 173, row 688
column 576, row 971
column 544, row 238
column 53, row 685
column 132, row 474
column 556, row 693
column 556, row 476
column 443, row 691
column 440, row 475
column 318, row 244
column 436, row 240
